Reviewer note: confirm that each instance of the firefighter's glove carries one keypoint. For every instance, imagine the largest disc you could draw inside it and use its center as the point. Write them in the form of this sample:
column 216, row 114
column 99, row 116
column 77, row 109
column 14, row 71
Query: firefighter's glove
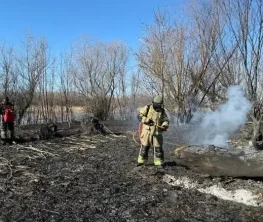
column 147, row 121
column 139, row 117
column 164, row 128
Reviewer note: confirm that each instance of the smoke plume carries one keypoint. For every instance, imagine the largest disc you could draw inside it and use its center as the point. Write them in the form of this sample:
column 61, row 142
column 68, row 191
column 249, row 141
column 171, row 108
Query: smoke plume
column 216, row 127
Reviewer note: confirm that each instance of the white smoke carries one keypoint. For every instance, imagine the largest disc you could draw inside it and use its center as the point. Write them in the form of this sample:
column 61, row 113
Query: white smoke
column 215, row 128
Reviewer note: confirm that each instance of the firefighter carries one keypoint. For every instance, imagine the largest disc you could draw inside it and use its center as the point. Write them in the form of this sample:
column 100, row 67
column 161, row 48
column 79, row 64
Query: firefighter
column 155, row 121
column 8, row 118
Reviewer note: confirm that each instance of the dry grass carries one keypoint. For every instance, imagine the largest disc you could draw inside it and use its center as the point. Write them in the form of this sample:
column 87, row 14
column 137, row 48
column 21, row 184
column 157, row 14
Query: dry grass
column 57, row 109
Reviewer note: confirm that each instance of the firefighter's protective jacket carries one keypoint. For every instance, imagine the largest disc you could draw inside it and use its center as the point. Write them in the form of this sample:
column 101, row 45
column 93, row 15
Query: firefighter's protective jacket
column 152, row 120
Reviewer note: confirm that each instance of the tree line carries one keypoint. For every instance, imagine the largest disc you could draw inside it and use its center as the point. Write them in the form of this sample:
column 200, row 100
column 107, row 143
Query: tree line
column 191, row 59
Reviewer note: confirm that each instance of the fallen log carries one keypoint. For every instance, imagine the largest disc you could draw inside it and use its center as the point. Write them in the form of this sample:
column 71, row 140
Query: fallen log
column 216, row 161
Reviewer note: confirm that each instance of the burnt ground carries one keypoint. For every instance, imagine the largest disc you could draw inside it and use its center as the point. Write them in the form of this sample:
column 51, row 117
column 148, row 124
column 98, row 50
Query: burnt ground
column 80, row 177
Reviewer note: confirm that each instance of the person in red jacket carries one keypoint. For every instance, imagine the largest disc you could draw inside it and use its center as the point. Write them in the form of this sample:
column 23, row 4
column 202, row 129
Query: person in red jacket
column 8, row 118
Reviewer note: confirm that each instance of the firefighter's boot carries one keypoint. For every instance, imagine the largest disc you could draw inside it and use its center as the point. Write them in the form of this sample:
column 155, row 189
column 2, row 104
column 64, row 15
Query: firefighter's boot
column 158, row 157
column 143, row 155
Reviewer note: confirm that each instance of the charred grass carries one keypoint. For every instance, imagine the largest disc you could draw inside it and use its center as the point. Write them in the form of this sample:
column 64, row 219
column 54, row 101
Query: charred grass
column 80, row 177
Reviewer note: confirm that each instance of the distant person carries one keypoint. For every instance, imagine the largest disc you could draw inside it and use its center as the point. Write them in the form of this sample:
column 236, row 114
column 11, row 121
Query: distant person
column 155, row 121
column 8, row 118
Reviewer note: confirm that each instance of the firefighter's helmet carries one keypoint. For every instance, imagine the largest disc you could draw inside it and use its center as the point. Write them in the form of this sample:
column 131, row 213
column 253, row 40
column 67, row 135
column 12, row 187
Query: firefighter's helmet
column 158, row 100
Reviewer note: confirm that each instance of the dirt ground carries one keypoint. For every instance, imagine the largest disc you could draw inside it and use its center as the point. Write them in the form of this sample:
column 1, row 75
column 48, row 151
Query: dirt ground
column 79, row 177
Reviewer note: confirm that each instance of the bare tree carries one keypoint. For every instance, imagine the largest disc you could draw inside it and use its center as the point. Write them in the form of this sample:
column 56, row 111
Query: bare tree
column 186, row 60
column 210, row 55
column 46, row 95
column 98, row 67
column 8, row 77
column 245, row 25
column 31, row 65
column 174, row 60
column 152, row 55
column 66, row 87
column 245, row 22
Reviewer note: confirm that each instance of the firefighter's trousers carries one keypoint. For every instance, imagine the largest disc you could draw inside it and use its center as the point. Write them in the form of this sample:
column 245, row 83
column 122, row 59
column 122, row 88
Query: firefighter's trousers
column 151, row 139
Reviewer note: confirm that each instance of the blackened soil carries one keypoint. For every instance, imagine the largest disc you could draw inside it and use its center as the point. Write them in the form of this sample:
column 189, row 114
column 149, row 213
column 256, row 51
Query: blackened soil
column 94, row 178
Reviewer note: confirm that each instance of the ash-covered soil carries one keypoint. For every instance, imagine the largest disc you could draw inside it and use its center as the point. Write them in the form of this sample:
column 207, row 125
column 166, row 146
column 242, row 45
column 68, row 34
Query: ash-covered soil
column 80, row 177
